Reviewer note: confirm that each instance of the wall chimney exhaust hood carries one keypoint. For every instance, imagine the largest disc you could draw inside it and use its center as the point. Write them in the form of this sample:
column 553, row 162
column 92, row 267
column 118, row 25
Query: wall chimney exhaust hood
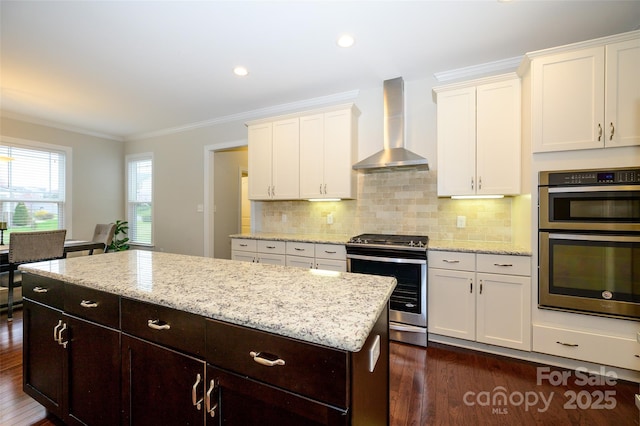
column 393, row 155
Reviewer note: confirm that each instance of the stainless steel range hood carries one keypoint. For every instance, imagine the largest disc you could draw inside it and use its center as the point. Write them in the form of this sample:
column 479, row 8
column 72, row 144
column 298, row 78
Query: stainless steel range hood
column 393, row 155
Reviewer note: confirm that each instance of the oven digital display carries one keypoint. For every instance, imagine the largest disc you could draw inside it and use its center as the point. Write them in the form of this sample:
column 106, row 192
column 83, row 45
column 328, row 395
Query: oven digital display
column 606, row 177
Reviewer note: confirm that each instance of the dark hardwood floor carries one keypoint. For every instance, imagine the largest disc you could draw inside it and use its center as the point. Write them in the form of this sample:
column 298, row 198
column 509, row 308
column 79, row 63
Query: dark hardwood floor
column 439, row 385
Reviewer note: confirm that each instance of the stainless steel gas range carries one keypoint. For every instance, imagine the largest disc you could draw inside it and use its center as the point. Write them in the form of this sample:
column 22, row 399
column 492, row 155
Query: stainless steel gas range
column 405, row 258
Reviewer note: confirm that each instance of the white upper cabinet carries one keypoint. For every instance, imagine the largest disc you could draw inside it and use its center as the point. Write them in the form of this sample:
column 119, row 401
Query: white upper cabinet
column 274, row 163
column 585, row 98
column 305, row 155
column 479, row 137
column 327, row 152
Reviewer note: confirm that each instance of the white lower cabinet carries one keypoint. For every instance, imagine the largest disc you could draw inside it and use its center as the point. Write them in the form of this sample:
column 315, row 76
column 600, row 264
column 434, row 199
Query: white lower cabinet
column 481, row 297
column 593, row 347
column 258, row 251
column 332, row 257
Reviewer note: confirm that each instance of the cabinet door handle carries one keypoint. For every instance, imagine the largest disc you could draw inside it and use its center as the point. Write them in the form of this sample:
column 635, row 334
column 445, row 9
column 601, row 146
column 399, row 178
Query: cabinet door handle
column 571, row 345
column 613, row 129
column 211, row 410
column 194, row 393
column 480, row 286
column 472, row 182
column 40, row 290
column 156, row 324
column 264, row 358
column 470, row 286
column 325, row 189
column 321, row 189
column 599, row 132
column 60, row 342
column 273, row 191
column 503, row 264
column 88, row 304
column 480, row 182
column 450, row 261
column 55, row 331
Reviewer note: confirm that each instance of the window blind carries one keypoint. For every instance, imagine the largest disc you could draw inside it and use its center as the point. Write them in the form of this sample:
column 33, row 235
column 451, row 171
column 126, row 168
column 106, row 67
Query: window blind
column 140, row 199
column 32, row 188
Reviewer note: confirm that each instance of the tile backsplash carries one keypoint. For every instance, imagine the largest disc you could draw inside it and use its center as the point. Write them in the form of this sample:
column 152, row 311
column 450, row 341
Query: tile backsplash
column 394, row 202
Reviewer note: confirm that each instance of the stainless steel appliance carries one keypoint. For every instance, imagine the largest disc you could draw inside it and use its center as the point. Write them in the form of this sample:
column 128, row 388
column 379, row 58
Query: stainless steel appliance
column 405, row 258
column 589, row 241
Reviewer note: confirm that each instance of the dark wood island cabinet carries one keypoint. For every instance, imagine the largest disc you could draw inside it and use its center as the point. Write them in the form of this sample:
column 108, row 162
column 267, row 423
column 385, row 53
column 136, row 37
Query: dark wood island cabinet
column 95, row 357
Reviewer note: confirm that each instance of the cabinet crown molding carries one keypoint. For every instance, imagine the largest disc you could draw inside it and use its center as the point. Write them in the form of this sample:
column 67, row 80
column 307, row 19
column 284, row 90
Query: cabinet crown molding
column 602, row 41
column 476, row 82
column 299, row 114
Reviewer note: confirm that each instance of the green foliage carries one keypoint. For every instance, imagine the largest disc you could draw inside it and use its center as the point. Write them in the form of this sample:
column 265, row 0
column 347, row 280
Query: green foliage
column 42, row 214
column 21, row 215
column 120, row 243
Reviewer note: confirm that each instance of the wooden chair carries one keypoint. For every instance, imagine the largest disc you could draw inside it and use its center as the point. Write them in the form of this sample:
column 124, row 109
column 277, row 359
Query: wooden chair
column 104, row 234
column 27, row 247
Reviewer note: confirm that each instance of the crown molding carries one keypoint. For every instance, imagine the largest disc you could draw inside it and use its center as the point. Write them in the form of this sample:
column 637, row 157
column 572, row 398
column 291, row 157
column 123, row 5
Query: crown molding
column 500, row 66
column 253, row 114
column 42, row 122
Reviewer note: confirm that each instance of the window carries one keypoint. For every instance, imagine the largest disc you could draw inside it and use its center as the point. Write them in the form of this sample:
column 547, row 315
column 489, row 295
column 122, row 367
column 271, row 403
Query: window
column 140, row 198
column 33, row 187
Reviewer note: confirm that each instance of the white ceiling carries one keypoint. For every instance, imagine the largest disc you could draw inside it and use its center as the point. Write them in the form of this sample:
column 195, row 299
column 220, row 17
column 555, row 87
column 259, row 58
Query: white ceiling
column 130, row 68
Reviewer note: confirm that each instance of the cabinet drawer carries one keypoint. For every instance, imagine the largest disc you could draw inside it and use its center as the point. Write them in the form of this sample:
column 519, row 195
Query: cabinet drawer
column 331, row 251
column 243, row 244
column 310, row 370
column 504, row 264
column 47, row 291
column 277, row 247
column 301, row 249
column 584, row 346
column 169, row 327
column 300, row 262
column 92, row 304
column 454, row 260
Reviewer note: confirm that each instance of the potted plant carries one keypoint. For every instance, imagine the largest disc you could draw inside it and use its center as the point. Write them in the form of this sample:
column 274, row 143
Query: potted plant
column 120, row 243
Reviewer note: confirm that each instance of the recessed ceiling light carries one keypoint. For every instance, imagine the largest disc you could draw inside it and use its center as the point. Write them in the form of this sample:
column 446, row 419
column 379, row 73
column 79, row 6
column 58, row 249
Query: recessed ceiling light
column 346, row 40
column 240, row 71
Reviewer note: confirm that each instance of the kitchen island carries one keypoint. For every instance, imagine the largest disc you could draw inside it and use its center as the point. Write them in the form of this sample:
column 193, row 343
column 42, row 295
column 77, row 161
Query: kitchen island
column 192, row 340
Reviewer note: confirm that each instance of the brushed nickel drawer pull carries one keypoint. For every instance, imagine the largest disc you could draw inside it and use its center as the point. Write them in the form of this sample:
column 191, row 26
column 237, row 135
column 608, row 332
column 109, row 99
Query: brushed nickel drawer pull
column 266, row 359
column 271, row 247
column 211, row 410
column 613, row 129
column 194, row 393
column 60, row 342
column 450, row 261
column 503, row 264
column 55, row 331
column 243, row 245
column 88, row 304
column 40, row 290
column 330, row 252
column 571, row 345
column 156, row 324
column 298, row 249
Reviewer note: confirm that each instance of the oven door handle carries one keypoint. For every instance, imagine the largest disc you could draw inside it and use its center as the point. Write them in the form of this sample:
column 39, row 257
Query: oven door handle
column 581, row 237
column 603, row 188
column 409, row 328
column 387, row 259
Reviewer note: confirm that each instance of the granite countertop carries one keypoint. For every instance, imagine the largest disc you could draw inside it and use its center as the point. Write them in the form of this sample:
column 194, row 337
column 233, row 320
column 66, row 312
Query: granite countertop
column 479, row 247
column 329, row 308
column 300, row 238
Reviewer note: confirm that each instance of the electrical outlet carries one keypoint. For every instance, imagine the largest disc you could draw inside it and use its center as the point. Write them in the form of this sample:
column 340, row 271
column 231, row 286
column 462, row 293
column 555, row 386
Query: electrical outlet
column 330, row 219
column 461, row 221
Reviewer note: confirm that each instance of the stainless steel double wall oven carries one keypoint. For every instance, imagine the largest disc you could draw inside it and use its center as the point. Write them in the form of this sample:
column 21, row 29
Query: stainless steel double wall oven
column 405, row 258
column 589, row 241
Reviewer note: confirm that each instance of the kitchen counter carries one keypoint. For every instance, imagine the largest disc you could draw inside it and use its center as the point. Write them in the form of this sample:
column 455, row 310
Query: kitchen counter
column 479, row 247
column 333, row 309
column 300, row 238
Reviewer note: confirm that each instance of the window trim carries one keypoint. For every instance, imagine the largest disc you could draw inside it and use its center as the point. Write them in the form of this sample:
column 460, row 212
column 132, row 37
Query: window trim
column 68, row 173
column 128, row 159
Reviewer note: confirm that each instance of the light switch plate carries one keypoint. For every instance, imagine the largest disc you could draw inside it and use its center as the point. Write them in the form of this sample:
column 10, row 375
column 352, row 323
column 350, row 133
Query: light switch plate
column 374, row 353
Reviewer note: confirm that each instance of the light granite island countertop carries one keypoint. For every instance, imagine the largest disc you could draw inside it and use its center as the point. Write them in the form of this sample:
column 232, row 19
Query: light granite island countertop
column 333, row 309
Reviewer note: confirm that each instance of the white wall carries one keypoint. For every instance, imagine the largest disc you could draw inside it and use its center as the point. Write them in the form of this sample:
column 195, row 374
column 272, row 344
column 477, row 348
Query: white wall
column 97, row 173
